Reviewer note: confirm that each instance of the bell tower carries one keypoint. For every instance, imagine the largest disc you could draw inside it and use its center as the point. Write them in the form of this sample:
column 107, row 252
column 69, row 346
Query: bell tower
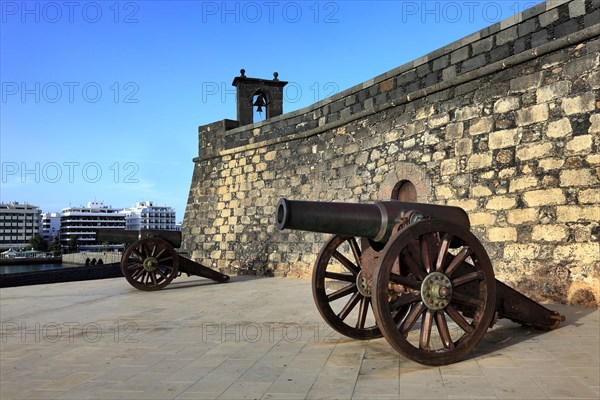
column 260, row 93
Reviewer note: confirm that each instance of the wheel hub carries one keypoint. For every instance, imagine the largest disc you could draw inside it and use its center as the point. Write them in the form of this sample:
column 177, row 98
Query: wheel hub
column 150, row 264
column 363, row 285
column 436, row 291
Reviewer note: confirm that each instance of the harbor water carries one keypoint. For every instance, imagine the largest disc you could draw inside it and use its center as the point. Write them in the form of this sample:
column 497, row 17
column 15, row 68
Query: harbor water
column 13, row 269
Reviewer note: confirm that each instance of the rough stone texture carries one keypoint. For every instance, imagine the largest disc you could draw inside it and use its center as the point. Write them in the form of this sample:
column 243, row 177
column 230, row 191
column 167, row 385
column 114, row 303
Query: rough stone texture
column 516, row 146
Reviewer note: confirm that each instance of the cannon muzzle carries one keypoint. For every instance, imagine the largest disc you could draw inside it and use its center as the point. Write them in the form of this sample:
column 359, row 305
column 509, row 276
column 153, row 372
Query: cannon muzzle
column 374, row 221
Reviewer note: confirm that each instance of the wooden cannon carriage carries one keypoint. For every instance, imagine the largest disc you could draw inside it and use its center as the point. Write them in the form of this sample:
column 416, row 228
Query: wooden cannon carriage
column 150, row 262
column 397, row 269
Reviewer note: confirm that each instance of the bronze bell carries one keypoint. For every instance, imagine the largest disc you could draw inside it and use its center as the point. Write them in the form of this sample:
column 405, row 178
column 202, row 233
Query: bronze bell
column 260, row 102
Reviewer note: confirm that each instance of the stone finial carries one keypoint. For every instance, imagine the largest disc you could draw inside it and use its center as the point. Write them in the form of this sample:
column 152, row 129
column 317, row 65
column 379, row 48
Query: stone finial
column 275, row 75
column 243, row 73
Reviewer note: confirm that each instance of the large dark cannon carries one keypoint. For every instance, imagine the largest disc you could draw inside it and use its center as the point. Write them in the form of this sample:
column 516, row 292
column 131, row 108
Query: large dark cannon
column 150, row 261
column 398, row 269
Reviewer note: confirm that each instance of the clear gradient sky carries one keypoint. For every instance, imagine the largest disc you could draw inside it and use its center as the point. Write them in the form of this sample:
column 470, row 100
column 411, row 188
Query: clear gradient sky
column 101, row 100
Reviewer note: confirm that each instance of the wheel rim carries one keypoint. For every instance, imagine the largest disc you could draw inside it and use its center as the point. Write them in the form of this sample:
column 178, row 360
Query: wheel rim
column 340, row 292
column 452, row 287
column 149, row 264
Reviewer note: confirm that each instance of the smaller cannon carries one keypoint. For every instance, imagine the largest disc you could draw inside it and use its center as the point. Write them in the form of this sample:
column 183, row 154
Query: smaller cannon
column 150, row 262
column 397, row 269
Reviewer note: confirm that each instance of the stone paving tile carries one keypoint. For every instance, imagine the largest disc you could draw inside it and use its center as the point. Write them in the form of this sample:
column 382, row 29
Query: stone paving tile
column 236, row 344
column 512, row 383
column 565, row 387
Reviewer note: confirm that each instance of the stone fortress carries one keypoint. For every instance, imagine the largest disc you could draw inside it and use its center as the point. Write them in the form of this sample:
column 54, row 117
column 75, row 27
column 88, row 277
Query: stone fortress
column 504, row 123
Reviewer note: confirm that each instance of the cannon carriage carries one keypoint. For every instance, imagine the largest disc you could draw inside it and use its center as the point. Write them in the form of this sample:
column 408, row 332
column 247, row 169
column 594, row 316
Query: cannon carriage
column 150, row 261
column 413, row 273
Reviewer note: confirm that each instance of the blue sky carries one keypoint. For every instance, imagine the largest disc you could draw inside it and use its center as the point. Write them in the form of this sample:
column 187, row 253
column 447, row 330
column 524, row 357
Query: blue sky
column 101, row 100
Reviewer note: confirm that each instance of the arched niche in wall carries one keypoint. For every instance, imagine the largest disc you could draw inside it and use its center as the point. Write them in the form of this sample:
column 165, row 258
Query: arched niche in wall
column 406, row 182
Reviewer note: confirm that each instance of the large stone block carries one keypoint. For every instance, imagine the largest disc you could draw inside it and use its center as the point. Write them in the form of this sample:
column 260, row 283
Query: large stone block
column 506, row 104
column 463, row 147
column 580, row 144
column 580, row 104
column 468, row 112
column 533, row 114
column 578, row 213
column 503, row 139
column 560, row 128
column 581, row 252
column 549, row 164
column 549, row 233
column 501, row 203
column 577, row 177
column 521, row 216
column 530, row 152
column 590, row 196
column 522, row 183
column 481, row 125
column 527, row 82
column 507, row 234
column 482, row 218
column 544, row 197
column 556, row 90
column 454, row 130
column 479, row 161
column 595, row 123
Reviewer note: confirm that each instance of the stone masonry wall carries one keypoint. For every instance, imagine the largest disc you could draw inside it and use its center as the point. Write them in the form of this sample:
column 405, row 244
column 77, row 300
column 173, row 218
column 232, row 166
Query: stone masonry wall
column 503, row 123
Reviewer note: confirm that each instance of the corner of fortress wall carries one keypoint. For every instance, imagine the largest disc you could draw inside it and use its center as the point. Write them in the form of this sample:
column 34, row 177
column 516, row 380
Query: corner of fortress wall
column 503, row 123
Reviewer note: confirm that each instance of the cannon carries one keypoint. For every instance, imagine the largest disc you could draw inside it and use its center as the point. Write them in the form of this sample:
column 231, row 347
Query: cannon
column 150, row 262
column 397, row 269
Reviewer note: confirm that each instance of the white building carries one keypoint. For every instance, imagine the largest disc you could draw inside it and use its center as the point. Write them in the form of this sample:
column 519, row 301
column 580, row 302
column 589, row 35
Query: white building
column 18, row 224
column 50, row 229
column 145, row 215
column 82, row 222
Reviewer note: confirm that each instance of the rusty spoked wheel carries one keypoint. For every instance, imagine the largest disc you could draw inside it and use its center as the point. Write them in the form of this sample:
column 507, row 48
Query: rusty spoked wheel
column 452, row 286
column 149, row 264
column 341, row 294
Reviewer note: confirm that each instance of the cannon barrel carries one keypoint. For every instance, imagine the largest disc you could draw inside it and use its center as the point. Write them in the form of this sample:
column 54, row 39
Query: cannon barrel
column 374, row 221
column 130, row 236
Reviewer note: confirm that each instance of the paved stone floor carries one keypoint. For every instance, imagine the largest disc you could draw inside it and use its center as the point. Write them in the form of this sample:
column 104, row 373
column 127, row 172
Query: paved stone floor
column 259, row 339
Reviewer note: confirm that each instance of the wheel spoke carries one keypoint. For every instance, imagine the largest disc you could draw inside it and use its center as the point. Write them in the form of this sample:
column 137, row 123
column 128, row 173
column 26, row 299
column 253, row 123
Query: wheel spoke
column 160, row 253
column 350, row 266
column 355, row 251
column 134, row 266
column 405, row 299
column 137, row 273
column 412, row 317
column 458, row 260
column 408, row 259
column 143, row 251
column 153, row 250
column 162, row 274
column 345, row 291
column 443, row 253
column 461, row 280
column 137, row 253
column 153, row 278
column 141, row 277
column 340, row 276
column 442, row 325
column 362, row 313
column 405, row 281
column 459, row 319
column 165, row 259
column 426, row 324
column 426, row 250
column 349, row 306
